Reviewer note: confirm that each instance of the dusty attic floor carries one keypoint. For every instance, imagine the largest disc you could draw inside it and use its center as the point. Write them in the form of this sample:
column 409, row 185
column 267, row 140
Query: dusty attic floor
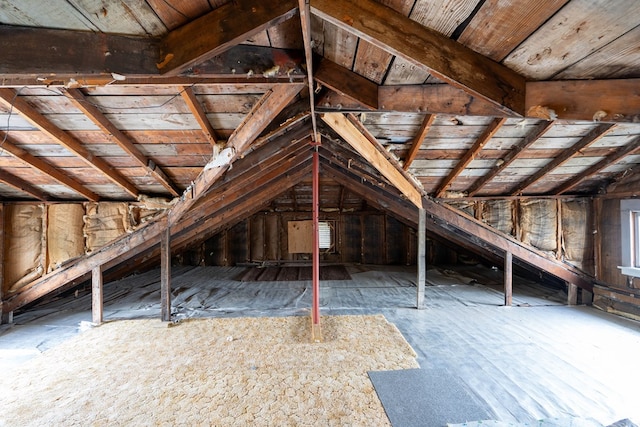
column 538, row 360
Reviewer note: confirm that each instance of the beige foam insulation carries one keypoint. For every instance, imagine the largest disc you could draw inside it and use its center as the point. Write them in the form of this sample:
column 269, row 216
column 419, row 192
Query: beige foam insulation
column 22, row 245
column 65, row 239
column 538, row 223
column 209, row 372
column 577, row 235
column 105, row 222
column 497, row 213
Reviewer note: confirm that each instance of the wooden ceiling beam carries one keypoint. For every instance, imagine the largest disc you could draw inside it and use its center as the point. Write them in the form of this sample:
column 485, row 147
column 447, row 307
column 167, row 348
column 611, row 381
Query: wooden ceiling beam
column 81, row 102
column 11, row 100
column 511, row 155
column 189, row 97
column 446, row 59
column 592, row 100
column 354, row 137
column 219, row 30
column 418, row 140
column 486, row 136
column 594, row 135
column 45, row 168
column 631, row 148
column 23, row 186
column 347, row 83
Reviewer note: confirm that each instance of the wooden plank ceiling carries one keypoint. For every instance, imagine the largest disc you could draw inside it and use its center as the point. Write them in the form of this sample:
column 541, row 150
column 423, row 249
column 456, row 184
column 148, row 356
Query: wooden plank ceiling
column 480, row 98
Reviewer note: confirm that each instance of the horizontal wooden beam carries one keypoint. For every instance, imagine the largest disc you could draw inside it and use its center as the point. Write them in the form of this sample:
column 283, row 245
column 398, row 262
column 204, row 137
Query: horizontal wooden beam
column 354, row 137
column 484, row 232
column 219, row 30
column 347, row 83
column 446, row 59
column 45, row 168
column 12, row 100
column 592, row 100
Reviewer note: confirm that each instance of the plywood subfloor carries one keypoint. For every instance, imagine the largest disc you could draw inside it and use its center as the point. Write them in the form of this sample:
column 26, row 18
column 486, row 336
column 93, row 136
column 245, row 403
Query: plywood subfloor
column 227, row 372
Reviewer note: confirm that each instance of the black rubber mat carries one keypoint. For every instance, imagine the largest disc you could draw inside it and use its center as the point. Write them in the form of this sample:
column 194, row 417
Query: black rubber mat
column 432, row 397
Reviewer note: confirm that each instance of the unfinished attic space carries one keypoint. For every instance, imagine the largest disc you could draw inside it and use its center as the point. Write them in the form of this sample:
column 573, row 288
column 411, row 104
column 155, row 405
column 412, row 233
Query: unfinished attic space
column 320, row 212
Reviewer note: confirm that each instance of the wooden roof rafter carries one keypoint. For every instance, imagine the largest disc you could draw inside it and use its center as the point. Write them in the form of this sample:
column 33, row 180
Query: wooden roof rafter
column 445, row 58
column 417, row 141
column 631, row 148
column 81, row 102
column 45, row 168
column 512, row 155
column 486, row 136
column 594, row 135
column 12, row 100
column 23, row 186
column 189, row 97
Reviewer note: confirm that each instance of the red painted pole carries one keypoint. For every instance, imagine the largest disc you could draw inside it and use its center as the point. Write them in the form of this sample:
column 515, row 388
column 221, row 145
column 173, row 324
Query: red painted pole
column 315, row 310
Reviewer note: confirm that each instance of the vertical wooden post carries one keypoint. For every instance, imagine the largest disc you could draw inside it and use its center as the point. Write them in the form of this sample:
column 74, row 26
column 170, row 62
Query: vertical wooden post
column 508, row 278
column 316, row 333
column 558, row 229
column 1, row 261
column 597, row 238
column 572, row 294
column 165, row 275
column 96, row 296
column 422, row 267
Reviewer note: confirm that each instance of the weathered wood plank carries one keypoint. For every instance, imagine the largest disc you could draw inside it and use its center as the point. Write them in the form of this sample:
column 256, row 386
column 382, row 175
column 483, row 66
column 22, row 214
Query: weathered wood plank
column 590, row 100
column 165, row 275
column 23, row 186
column 198, row 112
column 80, row 101
column 45, row 168
column 499, row 27
column 178, row 12
column 9, row 97
column 512, row 155
column 133, row 17
column 97, row 309
column 471, row 154
column 418, row 140
column 447, row 60
column 508, row 278
column 234, row 22
column 362, row 145
column 583, row 26
column 587, row 140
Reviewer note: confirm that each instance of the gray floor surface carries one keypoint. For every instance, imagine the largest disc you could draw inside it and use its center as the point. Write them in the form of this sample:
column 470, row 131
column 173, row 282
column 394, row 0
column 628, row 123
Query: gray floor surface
column 535, row 360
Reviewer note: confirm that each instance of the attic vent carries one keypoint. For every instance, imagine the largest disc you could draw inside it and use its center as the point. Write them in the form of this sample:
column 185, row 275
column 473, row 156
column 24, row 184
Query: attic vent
column 324, row 231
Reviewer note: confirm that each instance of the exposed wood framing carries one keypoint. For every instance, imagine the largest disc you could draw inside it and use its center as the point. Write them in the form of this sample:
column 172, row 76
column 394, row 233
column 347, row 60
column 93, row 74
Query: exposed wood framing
column 165, row 275
column 443, row 57
column 347, row 83
column 81, row 102
column 559, row 245
column 305, row 23
column 611, row 159
column 352, row 135
column 486, row 136
column 2, row 260
column 418, row 139
column 97, row 312
column 449, row 217
column 10, row 99
column 422, row 252
column 198, row 112
column 508, row 278
column 590, row 138
column 512, row 155
column 597, row 238
column 45, row 168
column 597, row 100
column 23, row 186
column 219, row 30
column 572, row 294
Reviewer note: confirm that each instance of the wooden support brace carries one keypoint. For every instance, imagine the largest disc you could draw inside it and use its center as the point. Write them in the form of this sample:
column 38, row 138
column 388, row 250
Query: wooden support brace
column 165, row 275
column 97, row 316
column 508, row 278
column 422, row 270
column 572, row 294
